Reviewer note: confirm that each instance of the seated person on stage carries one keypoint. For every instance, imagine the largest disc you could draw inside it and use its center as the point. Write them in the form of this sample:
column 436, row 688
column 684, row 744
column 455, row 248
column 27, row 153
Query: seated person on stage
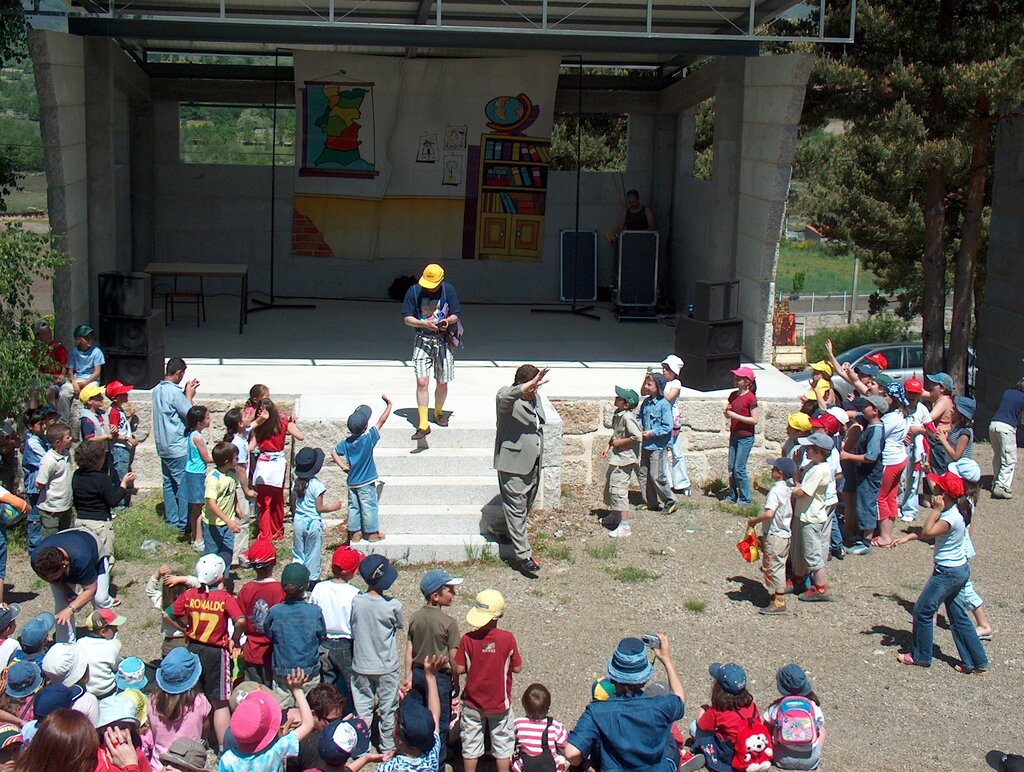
column 637, row 217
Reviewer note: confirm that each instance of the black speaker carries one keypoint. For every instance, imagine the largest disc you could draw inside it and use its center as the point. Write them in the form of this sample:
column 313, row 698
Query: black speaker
column 638, row 269
column 579, row 265
column 131, row 335
column 716, row 301
column 708, row 339
column 125, row 294
column 709, row 373
column 142, row 370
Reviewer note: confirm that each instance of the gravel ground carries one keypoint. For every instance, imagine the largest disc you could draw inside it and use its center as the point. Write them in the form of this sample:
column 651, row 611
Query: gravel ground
column 681, row 574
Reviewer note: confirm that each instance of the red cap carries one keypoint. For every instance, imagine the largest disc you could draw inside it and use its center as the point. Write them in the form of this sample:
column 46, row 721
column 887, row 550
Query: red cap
column 827, row 422
column 879, row 359
column 116, row 389
column 744, row 372
column 950, row 483
column 261, row 552
column 913, row 386
column 346, row 560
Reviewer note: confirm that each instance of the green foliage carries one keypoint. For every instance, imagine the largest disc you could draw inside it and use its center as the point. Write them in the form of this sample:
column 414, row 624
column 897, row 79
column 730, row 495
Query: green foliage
column 21, row 144
column 703, row 140
column 602, row 551
column 26, row 257
column 229, row 134
column 884, row 328
column 799, row 280
column 602, row 144
column 696, row 606
column 632, row 574
column 824, row 270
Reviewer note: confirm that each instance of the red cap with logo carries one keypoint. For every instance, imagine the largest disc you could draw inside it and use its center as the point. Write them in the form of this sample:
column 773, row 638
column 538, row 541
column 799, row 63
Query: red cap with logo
column 879, row 359
column 261, row 552
column 346, row 560
column 913, row 386
column 827, row 422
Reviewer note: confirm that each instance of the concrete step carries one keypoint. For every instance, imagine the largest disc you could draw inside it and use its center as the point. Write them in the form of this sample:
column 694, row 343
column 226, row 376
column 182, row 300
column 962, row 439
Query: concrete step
column 404, row 461
column 397, row 434
column 440, row 490
column 456, row 519
column 429, row 548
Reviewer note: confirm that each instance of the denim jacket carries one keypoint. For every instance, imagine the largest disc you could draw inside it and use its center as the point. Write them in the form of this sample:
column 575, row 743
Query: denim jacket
column 656, row 417
column 295, row 629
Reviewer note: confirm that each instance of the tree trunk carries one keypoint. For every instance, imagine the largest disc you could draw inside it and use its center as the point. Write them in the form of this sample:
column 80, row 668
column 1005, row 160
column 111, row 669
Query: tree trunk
column 933, row 297
column 967, row 257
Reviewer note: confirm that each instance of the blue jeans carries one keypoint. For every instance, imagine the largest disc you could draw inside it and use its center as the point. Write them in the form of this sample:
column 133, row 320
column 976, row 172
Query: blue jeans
column 944, row 587
column 175, row 506
column 307, row 543
column 3, row 552
column 33, row 525
column 910, row 502
column 122, row 458
column 739, row 480
column 362, row 509
column 679, row 479
column 444, row 696
column 836, row 539
column 336, row 667
column 218, row 540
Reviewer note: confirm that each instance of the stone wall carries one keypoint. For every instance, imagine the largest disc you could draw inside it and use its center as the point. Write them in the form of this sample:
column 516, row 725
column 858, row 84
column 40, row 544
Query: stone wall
column 587, row 427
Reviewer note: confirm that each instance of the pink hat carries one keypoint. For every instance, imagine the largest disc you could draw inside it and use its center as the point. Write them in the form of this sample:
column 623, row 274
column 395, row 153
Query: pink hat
column 255, row 722
column 744, row 372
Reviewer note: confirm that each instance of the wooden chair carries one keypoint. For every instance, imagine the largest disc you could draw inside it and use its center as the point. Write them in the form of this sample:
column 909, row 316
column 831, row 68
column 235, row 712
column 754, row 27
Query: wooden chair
column 175, row 297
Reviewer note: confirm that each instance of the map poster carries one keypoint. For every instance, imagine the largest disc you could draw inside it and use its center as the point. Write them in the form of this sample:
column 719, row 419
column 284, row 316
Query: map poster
column 339, row 135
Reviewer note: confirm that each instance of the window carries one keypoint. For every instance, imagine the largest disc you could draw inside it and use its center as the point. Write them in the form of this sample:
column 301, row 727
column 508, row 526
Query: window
column 602, row 146
column 236, row 134
column 893, row 356
column 913, row 357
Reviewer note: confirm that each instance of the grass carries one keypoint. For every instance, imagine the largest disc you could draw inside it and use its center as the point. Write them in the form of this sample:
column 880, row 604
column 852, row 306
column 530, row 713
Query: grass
column 31, row 198
column 142, row 522
column 696, row 606
column 823, row 271
column 483, row 555
column 632, row 574
column 555, row 547
column 604, row 551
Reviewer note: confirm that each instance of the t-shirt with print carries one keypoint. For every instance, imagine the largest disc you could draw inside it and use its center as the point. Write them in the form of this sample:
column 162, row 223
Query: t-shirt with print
column 425, row 763
column 811, row 507
column 744, row 405
column 82, row 363
column 207, row 614
column 119, row 419
column 358, row 451
column 780, row 501
column 375, row 620
column 55, row 473
column 489, row 656
column 335, row 601
column 306, row 506
column 222, row 487
column 256, row 598
column 83, row 556
column 422, row 304
column 432, row 631
column 271, row 759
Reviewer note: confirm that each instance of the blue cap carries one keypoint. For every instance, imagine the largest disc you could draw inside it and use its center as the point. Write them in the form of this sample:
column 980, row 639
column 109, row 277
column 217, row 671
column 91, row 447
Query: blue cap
column 967, row 469
column 131, row 674
column 966, row 407
column 897, row 392
column 435, row 579
column 359, row 419
column 630, row 663
column 179, row 671
column 944, row 380
column 23, row 678
column 377, row 572
column 8, row 613
column 341, row 740
column 869, row 369
column 35, row 632
column 730, row 676
column 791, row 679
column 54, row 697
column 786, row 466
column 416, row 724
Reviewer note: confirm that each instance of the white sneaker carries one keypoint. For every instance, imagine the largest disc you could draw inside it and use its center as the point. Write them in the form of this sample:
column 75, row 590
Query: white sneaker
column 623, row 531
column 908, row 518
column 198, row 546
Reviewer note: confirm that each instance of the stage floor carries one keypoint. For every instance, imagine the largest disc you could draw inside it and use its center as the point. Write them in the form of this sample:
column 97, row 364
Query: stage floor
column 361, row 349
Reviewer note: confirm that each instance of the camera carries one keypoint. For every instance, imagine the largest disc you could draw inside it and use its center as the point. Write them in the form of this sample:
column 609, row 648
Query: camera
column 652, row 640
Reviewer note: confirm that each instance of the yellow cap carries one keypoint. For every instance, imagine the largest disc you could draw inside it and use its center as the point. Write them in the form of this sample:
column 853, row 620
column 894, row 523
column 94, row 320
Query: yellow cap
column 822, row 367
column 141, row 705
column 432, row 276
column 799, row 421
column 90, row 391
column 489, row 605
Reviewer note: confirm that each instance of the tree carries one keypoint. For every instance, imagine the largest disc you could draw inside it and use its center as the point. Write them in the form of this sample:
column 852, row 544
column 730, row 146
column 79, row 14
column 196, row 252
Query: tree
column 908, row 183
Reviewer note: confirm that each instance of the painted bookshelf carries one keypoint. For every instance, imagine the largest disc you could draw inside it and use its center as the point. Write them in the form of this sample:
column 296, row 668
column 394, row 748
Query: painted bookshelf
column 511, row 197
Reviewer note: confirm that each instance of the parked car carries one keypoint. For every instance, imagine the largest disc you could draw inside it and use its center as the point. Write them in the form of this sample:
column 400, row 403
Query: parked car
column 906, row 360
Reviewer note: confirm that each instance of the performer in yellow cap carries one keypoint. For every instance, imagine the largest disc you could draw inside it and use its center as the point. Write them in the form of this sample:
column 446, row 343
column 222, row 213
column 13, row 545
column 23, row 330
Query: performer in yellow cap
column 432, row 308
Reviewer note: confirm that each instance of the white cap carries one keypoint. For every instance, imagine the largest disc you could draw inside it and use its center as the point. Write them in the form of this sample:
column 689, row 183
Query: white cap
column 840, row 415
column 63, row 665
column 210, row 569
column 675, row 364
column 116, row 709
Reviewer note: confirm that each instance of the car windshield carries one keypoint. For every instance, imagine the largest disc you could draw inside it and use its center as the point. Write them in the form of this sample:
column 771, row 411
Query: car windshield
column 853, row 354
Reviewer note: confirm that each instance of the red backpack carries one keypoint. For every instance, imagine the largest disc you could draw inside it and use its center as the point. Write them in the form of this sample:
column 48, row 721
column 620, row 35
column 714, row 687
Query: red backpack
column 753, row 750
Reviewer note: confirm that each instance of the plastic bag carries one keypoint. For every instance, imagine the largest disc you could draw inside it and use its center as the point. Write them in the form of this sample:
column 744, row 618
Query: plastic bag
column 749, row 547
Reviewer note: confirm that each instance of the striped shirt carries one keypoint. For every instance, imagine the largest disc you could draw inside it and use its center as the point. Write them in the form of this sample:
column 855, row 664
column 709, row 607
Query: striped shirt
column 530, row 732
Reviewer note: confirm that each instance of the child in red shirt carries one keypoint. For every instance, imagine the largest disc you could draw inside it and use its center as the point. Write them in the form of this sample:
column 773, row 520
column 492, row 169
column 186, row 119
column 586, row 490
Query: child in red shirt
column 206, row 610
column 256, row 598
column 731, row 710
column 742, row 413
column 488, row 656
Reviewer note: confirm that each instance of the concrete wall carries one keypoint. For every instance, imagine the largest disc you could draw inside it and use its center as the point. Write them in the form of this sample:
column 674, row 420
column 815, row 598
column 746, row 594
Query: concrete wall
column 1000, row 345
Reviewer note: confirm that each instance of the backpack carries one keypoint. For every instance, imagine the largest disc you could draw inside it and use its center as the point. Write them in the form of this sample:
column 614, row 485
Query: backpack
column 794, row 725
column 257, row 620
column 543, row 761
column 753, row 750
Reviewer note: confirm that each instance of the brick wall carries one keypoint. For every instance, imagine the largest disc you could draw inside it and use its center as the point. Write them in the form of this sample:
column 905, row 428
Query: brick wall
column 307, row 240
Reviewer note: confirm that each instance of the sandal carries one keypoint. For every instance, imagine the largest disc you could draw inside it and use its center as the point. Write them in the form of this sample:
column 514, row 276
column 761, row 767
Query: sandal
column 876, row 542
column 904, row 658
column 966, row 671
